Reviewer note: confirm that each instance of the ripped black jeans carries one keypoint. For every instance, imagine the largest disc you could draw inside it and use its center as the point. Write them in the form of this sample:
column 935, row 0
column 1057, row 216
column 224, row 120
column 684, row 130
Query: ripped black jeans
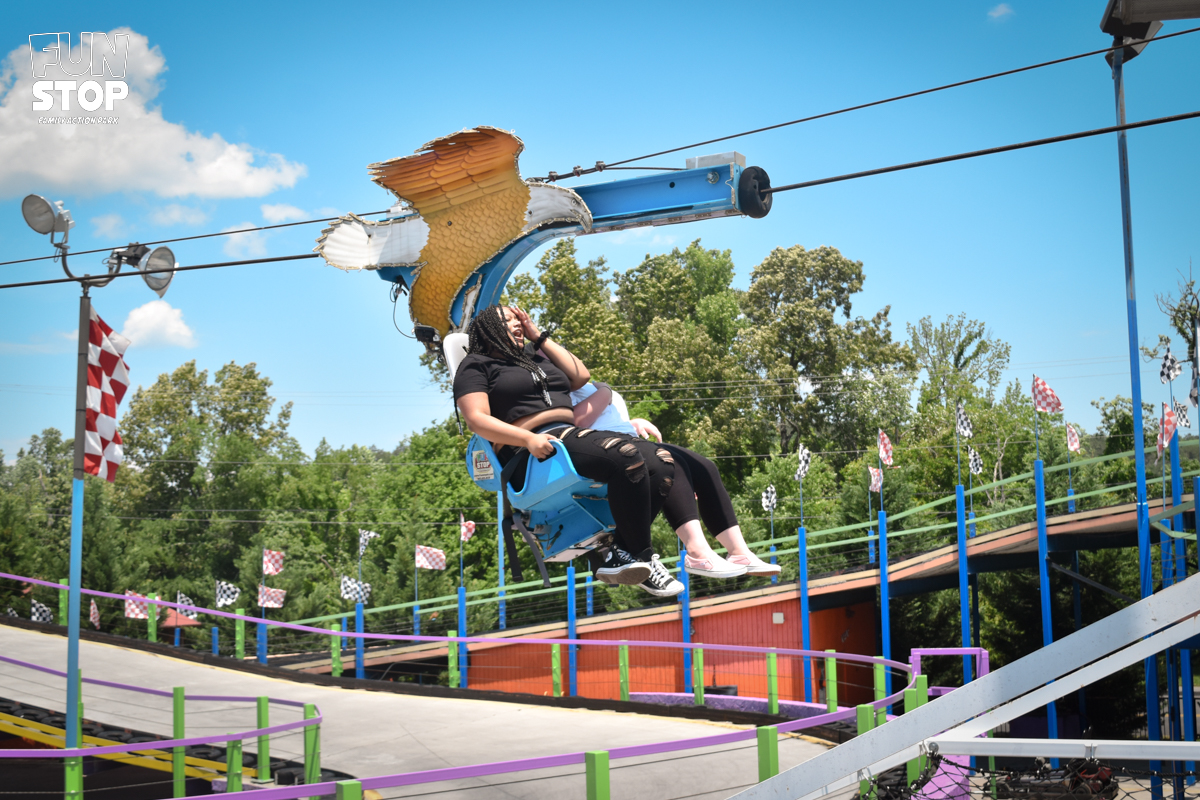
column 638, row 479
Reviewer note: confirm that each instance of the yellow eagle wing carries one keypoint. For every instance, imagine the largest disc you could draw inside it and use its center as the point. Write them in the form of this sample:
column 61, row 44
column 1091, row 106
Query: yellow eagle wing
column 467, row 189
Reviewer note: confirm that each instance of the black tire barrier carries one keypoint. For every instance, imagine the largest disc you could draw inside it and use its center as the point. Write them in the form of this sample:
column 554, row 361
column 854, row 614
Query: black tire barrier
column 752, row 201
column 92, row 729
column 294, row 776
column 34, row 714
column 140, row 739
column 55, row 721
column 205, row 751
column 248, row 759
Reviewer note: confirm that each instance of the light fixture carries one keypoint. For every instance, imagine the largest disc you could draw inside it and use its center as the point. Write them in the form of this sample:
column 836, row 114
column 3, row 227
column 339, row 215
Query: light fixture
column 46, row 217
column 158, row 259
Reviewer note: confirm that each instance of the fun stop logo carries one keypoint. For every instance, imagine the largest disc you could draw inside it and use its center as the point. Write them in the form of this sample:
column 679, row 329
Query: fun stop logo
column 98, row 56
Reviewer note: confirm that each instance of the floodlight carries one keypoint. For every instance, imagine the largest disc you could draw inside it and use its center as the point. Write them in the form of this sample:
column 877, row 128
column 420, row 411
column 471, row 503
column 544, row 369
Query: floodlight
column 160, row 258
column 44, row 216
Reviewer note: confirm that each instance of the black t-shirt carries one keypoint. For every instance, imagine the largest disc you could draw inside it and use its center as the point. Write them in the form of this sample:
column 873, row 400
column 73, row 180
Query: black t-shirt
column 511, row 390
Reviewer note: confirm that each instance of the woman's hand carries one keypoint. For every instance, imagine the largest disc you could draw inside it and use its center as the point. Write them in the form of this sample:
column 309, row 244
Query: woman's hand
column 645, row 429
column 539, row 444
column 531, row 331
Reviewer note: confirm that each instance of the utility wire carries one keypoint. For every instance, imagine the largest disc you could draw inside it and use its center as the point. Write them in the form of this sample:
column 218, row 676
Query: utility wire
column 600, row 165
column 989, row 151
column 190, row 238
column 159, row 271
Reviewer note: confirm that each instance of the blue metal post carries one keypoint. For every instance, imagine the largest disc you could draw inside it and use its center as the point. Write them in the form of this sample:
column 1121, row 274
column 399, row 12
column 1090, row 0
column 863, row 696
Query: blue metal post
column 177, row 637
column 885, row 599
column 1150, row 665
column 1077, row 602
column 500, row 555
column 964, row 597
column 571, row 649
column 1171, row 548
column 1044, row 582
column 774, row 561
column 345, row 627
column 262, row 642
column 1070, row 501
column 360, row 667
column 216, row 641
column 685, row 620
column 805, row 632
column 462, row 632
column 1185, row 656
column 590, row 604
column 416, row 601
column 75, row 571
column 971, row 523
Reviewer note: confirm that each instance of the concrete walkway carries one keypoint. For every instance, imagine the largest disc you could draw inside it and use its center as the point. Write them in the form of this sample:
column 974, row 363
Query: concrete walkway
column 367, row 733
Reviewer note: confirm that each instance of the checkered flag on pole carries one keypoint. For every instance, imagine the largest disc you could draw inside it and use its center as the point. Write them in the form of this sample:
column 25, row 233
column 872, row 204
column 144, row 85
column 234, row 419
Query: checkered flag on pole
column 354, row 590
column 876, row 480
column 466, row 529
column 885, row 448
column 974, row 460
column 94, row 616
column 962, row 423
column 363, row 538
column 12, row 612
column 1044, row 398
column 768, row 499
column 41, row 613
column 430, row 558
column 1194, row 394
column 803, row 463
column 183, row 600
column 107, row 381
column 227, row 594
column 272, row 562
column 1170, row 369
column 136, row 606
column 1072, row 439
column 1181, row 411
column 270, row 598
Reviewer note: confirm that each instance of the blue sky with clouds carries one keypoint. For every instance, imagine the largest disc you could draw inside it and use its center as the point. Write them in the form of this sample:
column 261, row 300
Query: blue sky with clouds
column 247, row 114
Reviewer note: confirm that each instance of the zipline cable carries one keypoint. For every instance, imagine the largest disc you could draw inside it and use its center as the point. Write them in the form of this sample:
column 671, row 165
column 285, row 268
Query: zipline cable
column 1007, row 148
column 190, row 238
column 601, row 166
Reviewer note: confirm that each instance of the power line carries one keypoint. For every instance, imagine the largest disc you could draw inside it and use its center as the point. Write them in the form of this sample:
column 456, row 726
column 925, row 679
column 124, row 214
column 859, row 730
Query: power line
column 160, row 271
column 190, row 238
column 987, row 152
column 600, row 165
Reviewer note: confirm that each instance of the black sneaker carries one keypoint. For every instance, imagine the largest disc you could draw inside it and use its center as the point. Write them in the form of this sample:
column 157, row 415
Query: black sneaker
column 661, row 582
column 621, row 568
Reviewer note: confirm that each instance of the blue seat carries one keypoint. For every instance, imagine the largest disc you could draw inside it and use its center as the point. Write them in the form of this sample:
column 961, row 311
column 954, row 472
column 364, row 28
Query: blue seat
column 565, row 513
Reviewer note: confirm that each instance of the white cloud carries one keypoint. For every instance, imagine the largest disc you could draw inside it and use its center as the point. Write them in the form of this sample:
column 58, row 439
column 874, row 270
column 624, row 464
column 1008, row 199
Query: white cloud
column 108, row 224
column 250, row 244
column 174, row 214
column 157, row 324
column 282, row 212
column 1000, row 11
column 140, row 152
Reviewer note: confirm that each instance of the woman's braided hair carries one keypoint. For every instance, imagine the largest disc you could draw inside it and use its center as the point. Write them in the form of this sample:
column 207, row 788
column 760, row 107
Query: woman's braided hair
column 488, row 336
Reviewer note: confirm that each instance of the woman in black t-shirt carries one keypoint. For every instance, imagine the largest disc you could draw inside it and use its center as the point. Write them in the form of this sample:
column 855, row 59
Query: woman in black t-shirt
column 518, row 399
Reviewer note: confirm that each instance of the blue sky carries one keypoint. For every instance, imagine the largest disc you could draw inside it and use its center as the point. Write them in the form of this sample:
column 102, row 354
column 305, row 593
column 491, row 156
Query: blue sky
column 244, row 114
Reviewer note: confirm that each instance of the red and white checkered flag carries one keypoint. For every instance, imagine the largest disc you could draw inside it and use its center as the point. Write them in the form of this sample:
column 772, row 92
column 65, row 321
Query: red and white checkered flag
column 94, row 616
column 876, row 480
column 107, row 381
column 272, row 562
column 430, row 558
column 466, row 529
column 1166, row 428
column 270, row 598
column 1072, row 439
column 885, row 448
column 1044, row 398
column 136, row 606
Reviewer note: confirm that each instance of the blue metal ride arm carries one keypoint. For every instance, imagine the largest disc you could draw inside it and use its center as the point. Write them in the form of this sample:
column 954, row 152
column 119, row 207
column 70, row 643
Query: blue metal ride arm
column 667, row 198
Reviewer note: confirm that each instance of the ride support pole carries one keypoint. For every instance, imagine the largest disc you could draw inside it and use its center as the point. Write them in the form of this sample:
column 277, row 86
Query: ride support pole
column 452, row 664
column 152, row 620
column 831, row 687
column 596, row 766
column 572, row 654
column 685, row 622
column 360, row 667
column 623, row 667
column 348, row 790
column 964, row 591
column 233, row 765
column 1039, row 478
column 880, row 676
column 263, row 720
column 178, row 773
column 865, row 719
column 312, row 747
column 768, row 752
column 63, row 600
column 772, row 684
column 335, row 651
column 261, row 637
column 460, row 651
column 698, row 675
column 556, row 669
column 239, row 635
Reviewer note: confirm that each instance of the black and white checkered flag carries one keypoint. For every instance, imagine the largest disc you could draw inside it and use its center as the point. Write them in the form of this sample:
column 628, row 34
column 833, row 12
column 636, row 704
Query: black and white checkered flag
column 41, row 613
column 1194, row 394
column 962, row 423
column 227, row 594
column 354, row 590
column 1181, row 414
column 12, row 612
column 804, row 462
column 976, row 463
column 363, row 538
column 183, row 600
column 1170, row 369
column 768, row 499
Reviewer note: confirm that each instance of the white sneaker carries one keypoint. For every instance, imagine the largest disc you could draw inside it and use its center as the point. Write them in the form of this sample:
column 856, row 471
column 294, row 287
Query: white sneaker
column 755, row 565
column 715, row 567
column 661, row 582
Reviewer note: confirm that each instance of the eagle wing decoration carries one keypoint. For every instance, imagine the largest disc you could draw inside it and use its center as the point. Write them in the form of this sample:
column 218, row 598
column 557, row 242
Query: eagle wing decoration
column 467, row 189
